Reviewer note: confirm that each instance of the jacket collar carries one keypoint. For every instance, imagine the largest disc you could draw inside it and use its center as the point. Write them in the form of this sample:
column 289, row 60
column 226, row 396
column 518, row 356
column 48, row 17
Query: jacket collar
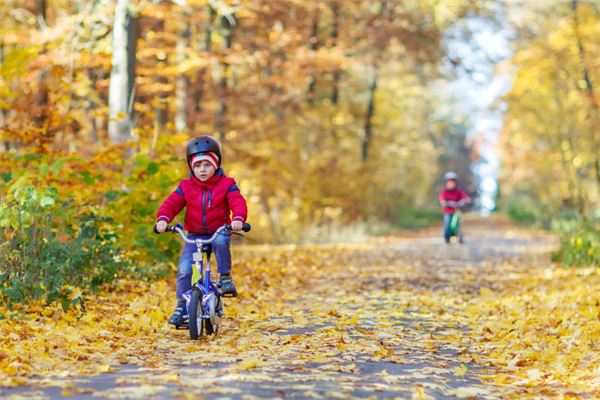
column 212, row 181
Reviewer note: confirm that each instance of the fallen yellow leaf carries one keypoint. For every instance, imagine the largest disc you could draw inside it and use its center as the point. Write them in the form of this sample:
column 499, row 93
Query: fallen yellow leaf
column 460, row 370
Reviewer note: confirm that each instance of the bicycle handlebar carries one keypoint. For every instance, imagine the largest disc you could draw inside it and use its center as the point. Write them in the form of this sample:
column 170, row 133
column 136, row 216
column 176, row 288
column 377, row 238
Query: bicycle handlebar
column 456, row 204
column 179, row 229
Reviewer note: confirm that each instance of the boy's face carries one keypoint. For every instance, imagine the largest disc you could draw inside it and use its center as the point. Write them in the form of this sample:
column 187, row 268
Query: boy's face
column 451, row 184
column 203, row 170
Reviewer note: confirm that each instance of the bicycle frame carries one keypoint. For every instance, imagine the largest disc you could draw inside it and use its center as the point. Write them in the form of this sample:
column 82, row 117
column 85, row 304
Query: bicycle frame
column 454, row 223
column 203, row 301
column 453, row 227
column 204, row 283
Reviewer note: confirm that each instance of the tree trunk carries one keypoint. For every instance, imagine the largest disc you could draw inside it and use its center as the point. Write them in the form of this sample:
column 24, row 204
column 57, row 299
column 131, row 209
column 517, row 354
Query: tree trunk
column 220, row 122
column 314, row 46
column 182, row 81
column 337, row 74
column 2, row 116
column 41, row 98
column 161, row 101
column 91, row 107
column 133, row 32
column 575, row 193
column 122, row 74
column 201, row 84
column 335, row 8
column 369, row 118
column 590, row 94
column 335, row 93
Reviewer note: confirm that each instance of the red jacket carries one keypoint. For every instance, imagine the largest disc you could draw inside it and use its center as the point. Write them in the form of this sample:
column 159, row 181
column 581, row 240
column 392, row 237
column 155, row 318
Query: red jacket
column 452, row 195
column 209, row 204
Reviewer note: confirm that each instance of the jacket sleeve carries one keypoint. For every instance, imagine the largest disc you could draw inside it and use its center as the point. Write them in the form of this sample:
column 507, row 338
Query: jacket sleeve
column 237, row 204
column 172, row 206
column 464, row 196
column 442, row 196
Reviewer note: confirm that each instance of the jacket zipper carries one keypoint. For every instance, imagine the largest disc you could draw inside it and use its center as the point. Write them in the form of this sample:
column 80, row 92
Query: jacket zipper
column 210, row 198
column 204, row 229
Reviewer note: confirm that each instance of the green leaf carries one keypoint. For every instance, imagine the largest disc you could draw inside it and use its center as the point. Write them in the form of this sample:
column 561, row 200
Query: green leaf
column 44, row 169
column 112, row 195
column 6, row 176
column 57, row 166
column 141, row 160
column 152, row 168
column 47, row 201
column 87, row 177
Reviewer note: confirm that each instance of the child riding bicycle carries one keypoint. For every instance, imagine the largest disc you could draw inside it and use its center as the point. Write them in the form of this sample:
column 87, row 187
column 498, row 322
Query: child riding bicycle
column 211, row 200
column 451, row 199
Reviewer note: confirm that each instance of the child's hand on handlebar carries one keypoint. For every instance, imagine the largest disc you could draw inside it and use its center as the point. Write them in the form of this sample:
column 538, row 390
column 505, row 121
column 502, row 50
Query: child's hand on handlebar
column 236, row 225
column 161, row 226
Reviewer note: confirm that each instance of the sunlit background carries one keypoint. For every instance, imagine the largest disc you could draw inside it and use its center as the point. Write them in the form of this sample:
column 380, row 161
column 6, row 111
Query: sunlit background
column 336, row 117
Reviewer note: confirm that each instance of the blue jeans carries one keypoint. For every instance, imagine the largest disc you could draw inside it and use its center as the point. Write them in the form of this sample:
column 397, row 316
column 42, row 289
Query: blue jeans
column 447, row 218
column 221, row 251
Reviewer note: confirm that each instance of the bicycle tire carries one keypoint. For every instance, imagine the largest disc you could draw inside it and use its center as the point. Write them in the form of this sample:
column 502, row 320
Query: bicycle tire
column 214, row 309
column 196, row 322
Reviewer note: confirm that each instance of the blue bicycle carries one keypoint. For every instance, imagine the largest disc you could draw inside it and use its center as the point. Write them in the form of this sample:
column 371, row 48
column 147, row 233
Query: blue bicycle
column 204, row 302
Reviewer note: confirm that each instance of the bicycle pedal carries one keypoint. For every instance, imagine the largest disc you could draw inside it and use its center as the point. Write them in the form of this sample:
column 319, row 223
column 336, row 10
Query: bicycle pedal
column 230, row 294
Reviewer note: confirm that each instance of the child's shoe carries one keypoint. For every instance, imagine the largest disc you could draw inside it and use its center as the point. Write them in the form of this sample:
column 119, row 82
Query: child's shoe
column 227, row 286
column 177, row 318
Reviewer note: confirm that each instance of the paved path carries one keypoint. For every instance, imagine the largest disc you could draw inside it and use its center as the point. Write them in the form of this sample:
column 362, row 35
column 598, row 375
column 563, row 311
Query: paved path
column 373, row 320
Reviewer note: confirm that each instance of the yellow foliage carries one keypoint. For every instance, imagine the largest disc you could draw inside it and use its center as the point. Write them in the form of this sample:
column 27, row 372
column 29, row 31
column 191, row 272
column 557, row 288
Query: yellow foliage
column 530, row 325
column 550, row 135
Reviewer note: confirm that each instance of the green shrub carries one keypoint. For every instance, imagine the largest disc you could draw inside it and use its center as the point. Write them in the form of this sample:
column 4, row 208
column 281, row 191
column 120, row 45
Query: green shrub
column 133, row 208
column 523, row 209
column 410, row 217
column 51, row 249
column 579, row 245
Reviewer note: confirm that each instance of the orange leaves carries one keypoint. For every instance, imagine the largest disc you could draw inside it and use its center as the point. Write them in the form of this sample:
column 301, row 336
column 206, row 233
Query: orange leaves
column 383, row 351
column 248, row 363
column 552, row 340
column 305, row 322
column 241, row 71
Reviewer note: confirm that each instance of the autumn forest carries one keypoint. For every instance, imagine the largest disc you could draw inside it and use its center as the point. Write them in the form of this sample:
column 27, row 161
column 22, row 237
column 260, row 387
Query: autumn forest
column 338, row 120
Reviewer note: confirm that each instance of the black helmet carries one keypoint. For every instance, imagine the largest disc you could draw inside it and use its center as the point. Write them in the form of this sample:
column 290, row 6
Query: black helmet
column 203, row 144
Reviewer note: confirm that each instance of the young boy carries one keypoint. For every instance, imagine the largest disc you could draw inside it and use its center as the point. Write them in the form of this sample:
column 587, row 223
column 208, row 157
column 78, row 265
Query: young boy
column 211, row 199
column 451, row 198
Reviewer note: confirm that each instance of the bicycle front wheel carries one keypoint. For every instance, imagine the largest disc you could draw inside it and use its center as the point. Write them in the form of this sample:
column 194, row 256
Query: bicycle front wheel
column 196, row 320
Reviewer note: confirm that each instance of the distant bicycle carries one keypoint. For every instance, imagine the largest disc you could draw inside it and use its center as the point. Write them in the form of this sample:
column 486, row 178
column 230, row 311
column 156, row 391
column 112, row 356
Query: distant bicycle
column 452, row 222
column 204, row 304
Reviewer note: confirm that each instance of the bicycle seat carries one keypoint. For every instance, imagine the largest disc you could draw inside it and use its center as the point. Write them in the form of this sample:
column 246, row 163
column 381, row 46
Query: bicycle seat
column 207, row 248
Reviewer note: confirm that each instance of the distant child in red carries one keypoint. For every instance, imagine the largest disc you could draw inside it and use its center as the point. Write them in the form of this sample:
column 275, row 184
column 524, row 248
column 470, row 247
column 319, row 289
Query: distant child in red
column 451, row 198
column 211, row 200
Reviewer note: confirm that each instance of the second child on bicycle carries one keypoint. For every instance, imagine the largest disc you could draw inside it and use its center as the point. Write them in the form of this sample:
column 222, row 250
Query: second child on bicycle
column 211, row 199
column 451, row 198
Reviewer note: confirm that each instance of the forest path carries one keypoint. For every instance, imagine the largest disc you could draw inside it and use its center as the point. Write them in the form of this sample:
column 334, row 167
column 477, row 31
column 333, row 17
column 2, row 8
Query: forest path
column 382, row 319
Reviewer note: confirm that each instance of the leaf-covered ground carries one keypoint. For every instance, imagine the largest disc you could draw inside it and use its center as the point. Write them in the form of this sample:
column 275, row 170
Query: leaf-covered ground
column 405, row 317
